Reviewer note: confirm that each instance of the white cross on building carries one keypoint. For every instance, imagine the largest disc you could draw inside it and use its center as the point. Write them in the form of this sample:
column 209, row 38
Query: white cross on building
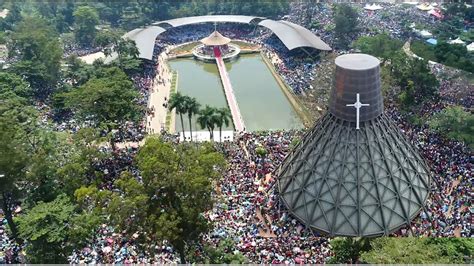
column 357, row 105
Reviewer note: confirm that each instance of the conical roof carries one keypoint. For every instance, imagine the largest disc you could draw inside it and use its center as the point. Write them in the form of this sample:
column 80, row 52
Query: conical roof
column 345, row 181
column 215, row 39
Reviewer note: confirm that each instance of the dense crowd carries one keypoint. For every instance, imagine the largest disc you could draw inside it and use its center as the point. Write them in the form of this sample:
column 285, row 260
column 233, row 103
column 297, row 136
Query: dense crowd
column 448, row 210
column 247, row 209
column 453, row 88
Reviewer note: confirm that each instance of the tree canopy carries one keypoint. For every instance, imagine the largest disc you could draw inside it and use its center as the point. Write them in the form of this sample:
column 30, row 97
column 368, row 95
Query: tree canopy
column 454, row 122
column 345, row 18
column 45, row 227
column 85, row 21
column 173, row 195
column 109, row 99
column 37, row 46
column 410, row 250
column 380, row 45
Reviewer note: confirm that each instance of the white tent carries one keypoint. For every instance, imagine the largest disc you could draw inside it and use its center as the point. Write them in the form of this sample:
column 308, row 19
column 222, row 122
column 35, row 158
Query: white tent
column 457, row 41
column 372, row 7
column 425, row 34
column 411, row 3
column 425, row 7
column 470, row 47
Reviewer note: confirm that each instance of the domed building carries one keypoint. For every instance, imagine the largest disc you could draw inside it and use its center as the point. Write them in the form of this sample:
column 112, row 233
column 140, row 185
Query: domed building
column 354, row 173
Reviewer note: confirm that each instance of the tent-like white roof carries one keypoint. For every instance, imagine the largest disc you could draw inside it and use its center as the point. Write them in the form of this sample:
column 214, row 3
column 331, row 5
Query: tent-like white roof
column 425, row 7
column 457, row 41
column 145, row 40
column 470, row 47
column 292, row 35
column 372, row 7
column 425, row 33
column 215, row 39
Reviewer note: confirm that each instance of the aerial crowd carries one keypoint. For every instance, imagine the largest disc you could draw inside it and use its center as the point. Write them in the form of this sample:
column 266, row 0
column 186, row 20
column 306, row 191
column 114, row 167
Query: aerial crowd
column 247, row 209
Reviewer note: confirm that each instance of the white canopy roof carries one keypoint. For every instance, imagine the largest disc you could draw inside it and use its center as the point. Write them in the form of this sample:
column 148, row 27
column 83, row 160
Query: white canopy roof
column 215, row 39
column 292, row 35
column 457, row 41
column 470, row 47
column 425, row 33
column 372, row 7
column 425, row 7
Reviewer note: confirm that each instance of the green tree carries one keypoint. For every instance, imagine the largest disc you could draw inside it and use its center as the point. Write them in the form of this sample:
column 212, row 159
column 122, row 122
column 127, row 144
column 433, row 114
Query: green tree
column 192, row 108
column 414, row 78
column 175, row 191
column 45, row 227
column 380, row 45
column 178, row 102
column 208, row 119
column 14, row 83
column 13, row 17
column 85, row 21
column 105, row 38
column 348, row 249
column 16, row 121
column 345, row 19
column 410, row 250
column 110, row 99
column 223, row 253
column 77, row 71
column 223, row 117
column 37, row 46
column 127, row 55
column 454, row 123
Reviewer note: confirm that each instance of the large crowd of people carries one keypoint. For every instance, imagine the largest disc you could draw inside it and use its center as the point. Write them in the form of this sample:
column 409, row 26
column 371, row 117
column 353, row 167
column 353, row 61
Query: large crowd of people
column 247, row 209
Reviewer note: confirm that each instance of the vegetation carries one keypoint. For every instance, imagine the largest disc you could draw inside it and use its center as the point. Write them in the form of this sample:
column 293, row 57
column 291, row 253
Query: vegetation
column 402, row 250
column 224, row 253
column 43, row 226
column 388, row 250
column 207, row 119
column 414, row 78
column 453, row 55
column 348, row 249
column 454, row 123
column 178, row 102
column 192, row 108
column 109, row 100
column 39, row 63
column 175, row 192
column 223, row 117
column 86, row 20
column 411, row 75
column 381, row 45
column 345, row 18
column 54, row 174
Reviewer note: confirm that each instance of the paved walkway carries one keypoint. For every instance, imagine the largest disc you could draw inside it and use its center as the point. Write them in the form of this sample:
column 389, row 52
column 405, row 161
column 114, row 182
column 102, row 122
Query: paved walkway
column 159, row 92
column 229, row 93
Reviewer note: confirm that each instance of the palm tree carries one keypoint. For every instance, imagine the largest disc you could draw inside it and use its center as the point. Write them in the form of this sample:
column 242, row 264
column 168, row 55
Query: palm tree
column 192, row 108
column 178, row 101
column 223, row 117
column 207, row 119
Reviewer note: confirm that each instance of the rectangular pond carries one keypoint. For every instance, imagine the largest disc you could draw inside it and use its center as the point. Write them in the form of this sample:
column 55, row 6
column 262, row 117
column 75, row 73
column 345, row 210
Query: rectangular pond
column 262, row 103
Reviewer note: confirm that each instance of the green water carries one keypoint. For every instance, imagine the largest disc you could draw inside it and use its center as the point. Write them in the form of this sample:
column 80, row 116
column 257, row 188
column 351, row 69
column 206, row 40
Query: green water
column 261, row 101
column 201, row 81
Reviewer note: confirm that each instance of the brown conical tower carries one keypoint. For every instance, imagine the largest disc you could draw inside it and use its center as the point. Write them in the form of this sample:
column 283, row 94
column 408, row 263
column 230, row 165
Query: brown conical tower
column 354, row 179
